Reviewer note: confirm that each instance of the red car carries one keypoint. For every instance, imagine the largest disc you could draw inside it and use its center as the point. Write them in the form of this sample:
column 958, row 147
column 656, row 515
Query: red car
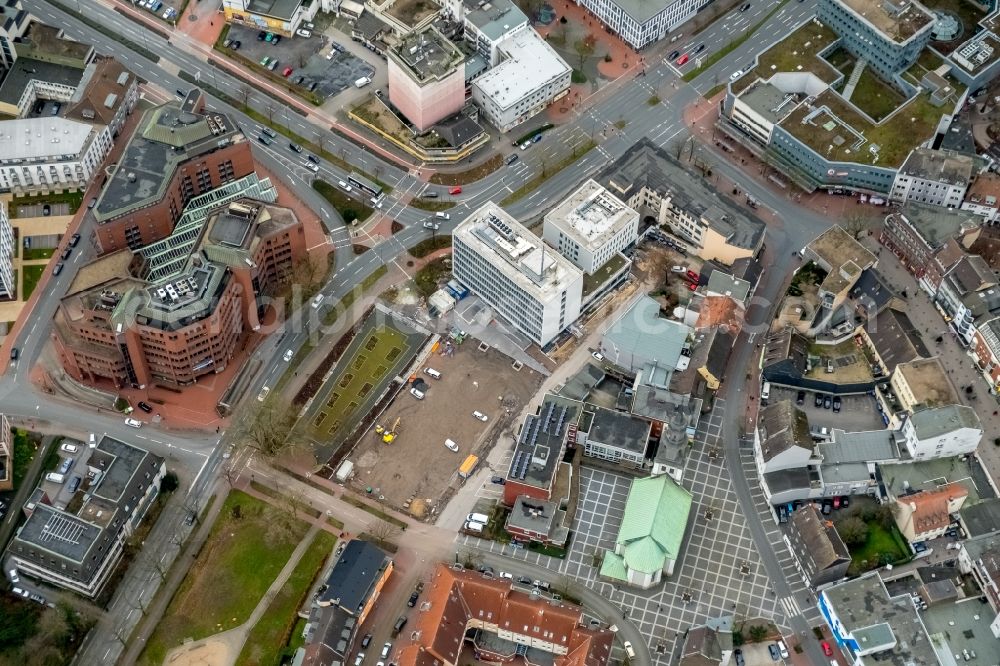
column 692, row 285
column 455, row 190
column 287, row 71
column 836, row 502
column 827, row 650
column 683, row 60
column 691, row 274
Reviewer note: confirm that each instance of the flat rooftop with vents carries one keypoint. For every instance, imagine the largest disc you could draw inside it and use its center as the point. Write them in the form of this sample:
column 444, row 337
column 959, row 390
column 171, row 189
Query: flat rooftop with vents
column 591, row 216
column 897, row 19
column 427, row 55
column 529, row 63
column 167, row 136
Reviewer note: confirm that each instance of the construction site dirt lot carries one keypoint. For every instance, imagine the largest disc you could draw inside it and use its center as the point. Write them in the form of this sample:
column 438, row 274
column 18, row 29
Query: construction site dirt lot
column 418, row 465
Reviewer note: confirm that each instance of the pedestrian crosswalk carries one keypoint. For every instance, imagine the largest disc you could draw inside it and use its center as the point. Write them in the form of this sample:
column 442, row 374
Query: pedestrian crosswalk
column 790, row 606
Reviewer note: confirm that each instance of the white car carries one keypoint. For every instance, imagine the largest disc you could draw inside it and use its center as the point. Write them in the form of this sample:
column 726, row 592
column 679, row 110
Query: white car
column 263, row 394
column 312, row 167
column 317, row 300
column 302, row 32
column 14, row 577
column 735, row 75
column 508, row 576
column 479, row 415
column 598, row 356
column 288, row 355
column 19, row 592
column 451, row 446
column 431, row 225
column 133, row 423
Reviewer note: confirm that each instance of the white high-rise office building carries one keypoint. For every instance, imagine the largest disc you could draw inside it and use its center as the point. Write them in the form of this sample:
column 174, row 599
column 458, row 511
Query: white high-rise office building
column 529, row 285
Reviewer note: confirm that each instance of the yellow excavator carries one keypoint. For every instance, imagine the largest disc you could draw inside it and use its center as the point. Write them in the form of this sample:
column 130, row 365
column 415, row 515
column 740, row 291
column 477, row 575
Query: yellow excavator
column 390, row 435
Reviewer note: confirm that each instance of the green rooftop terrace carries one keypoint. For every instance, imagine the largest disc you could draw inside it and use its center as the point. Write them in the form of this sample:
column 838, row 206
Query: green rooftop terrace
column 797, row 53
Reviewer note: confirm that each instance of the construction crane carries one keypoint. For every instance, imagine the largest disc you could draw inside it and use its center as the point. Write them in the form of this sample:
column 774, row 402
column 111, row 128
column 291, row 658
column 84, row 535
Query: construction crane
column 390, row 435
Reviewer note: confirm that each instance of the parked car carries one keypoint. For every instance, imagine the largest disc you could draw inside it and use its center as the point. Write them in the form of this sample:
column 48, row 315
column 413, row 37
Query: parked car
column 745, row 6
column 836, row 404
column 412, row 601
column 14, row 578
column 773, row 650
column 827, row 650
column 674, row 55
column 75, row 238
column 236, row 45
column 845, row 502
column 261, row 36
column 133, row 423
column 800, row 398
column 286, row 72
column 479, row 415
column 275, row 40
column 827, row 402
column 145, row 407
column 598, row 356
column 818, row 402
column 738, row 654
column 683, row 60
column 701, row 47
column 303, row 33
column 827, row 507
column 366, row 641
column 499, row 480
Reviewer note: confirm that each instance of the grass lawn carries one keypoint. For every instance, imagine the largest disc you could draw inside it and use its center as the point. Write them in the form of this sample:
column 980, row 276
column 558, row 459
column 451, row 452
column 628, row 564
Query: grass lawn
column 266, row 644
column 358, row 376
column 24, row 453
column 875, row 97
column 349, row 208
column 32, row 274
column 432, row 204
column 240, row 560
column 74, row 199
column 429, row 277
column 472, row 175
column 881, row 547
column 429, row 245
column 38, row 253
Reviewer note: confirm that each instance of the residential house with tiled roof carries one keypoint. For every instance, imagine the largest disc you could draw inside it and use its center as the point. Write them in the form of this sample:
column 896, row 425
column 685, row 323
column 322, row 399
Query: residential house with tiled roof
column 710, row 644
column 814, row 540
column 651, row 534
column 785, row 454
column 500, row 623
column 892, row 339
column 927, row 514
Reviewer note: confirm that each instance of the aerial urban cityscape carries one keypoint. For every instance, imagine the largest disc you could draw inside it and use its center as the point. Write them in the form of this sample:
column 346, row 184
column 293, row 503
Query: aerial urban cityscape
column 529, row 332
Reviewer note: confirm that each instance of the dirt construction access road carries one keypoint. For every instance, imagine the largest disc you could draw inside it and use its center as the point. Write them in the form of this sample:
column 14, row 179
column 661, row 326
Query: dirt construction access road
column 417, row 464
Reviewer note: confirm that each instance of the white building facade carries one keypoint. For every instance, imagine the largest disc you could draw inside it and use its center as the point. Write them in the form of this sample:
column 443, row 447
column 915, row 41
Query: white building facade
column 49, row 154
column 934, row 178
column 530, row 76
column 641, row 23
column 591, row 226
column 528, row 284
column 8, row 287
column 942, row 432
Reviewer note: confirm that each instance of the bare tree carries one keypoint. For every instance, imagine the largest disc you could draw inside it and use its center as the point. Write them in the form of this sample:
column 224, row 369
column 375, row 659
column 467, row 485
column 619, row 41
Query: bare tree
column 243, row 93
column 230, row 474
column 270, row 109
column 121, row 635
column 319, row 138
column 584, row 48
column 159, row 567
column 382, row 531
column 856, row 222
column 268, row 430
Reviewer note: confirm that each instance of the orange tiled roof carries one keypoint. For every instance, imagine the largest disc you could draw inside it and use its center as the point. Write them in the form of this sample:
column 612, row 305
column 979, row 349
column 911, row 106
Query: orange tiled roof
column 456, row 597
column 930, row 507
column 719, row 311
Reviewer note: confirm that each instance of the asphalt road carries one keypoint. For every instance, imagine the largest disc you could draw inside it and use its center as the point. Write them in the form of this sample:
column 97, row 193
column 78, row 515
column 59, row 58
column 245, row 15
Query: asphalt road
column 619, row 102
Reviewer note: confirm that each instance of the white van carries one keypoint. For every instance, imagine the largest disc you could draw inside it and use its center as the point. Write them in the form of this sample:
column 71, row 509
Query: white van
column 433, row 373
column 69, row 448
column 419, row 395
column 93, row 441
column 362, row 82
column 450, row 445
column 442, row 216
column 471, row 526
column 782, row 649
column 765, row 391
column 344, row 186
column 629, row 650
column 478, row 518
column 55, row 478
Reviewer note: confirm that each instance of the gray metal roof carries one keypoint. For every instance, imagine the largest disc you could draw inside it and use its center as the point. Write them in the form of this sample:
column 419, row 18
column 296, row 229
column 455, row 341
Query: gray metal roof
column 25, row 70
column 981, row 518
column 619, row 430
column 845, row 473
column 283, row 9
column 494, row 18
column 642, row 332
column 941, row 420
column 859, row 447
column 352, row 579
